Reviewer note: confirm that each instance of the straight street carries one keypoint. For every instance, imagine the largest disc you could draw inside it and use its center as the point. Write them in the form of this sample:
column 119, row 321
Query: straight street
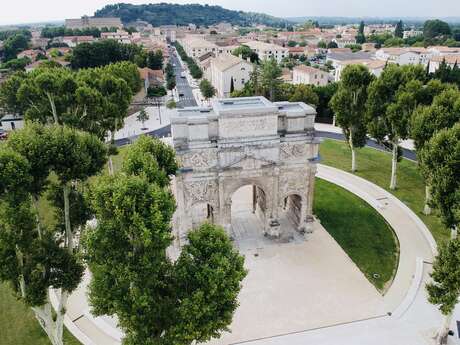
column 186, row 98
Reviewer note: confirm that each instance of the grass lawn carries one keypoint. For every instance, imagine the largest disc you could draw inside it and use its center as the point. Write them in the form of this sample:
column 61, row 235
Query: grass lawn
column 360, row 230
column 18, row 325
column 375, row 166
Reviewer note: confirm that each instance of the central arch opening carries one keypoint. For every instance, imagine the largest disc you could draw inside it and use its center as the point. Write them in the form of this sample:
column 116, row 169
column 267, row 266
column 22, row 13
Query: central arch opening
column 249, row 212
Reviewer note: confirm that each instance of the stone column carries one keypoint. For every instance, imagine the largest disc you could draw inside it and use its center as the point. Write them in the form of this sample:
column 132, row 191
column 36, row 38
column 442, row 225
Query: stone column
column 273, row 228
column 311, row 191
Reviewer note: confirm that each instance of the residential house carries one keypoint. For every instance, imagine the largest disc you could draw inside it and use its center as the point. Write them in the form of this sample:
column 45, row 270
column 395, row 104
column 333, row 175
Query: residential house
column 229, row 73
column 29, row 53
column 197, row 46
column 309, row 75
column 73, row 41
column 450, row 60
column 375, row 66
column 400, row 56
column 267, row 50
column 151, row 77
column 120, row 36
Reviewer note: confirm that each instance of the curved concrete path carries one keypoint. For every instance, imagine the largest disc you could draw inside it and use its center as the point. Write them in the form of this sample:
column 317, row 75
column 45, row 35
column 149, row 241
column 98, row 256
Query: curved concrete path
column 412, row 320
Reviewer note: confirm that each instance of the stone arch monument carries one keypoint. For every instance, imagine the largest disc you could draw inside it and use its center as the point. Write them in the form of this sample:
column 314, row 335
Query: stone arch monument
column 244, row 141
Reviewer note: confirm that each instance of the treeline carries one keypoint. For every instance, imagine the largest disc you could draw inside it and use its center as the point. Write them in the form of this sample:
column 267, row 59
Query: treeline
column 194, row 69
column 173, row 14
column 101, row 53
column 57, row 31
column 435, row 32
column 14, row 41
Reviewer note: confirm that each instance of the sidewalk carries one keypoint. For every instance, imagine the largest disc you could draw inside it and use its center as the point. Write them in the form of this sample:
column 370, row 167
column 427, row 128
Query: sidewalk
column 413, row 320
column 132, row 127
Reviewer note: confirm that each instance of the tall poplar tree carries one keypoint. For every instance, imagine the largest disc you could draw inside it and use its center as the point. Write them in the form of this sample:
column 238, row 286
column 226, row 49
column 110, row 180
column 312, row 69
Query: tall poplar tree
column 349, row 106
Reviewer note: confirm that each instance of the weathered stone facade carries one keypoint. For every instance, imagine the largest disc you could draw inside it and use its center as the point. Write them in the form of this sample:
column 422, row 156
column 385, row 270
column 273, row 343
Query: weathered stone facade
column 244, row 141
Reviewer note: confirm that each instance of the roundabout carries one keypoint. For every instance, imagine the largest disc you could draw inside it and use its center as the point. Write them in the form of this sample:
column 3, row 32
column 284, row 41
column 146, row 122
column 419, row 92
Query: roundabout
column 332, row 302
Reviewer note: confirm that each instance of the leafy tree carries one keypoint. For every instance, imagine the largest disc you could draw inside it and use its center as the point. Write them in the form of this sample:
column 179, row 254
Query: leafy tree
column 354, row 47
column 360, row 37
column 171, row 83
column 304, row 93
column 171, row 104
column 156, row 91
column 443, row 112
column 35, row 256
column 447, row 74
column 394, row 42
column 157, row 301
column 16, row 64
column 399, row 30
column 101, row 53
column 391, row 100
column 292, row 43
column 270, row 77
column 232, row 85
column 142, row 117
column 207, row 90
column 322, row 44
column 155, row 59
column 440, row 163
column 152, row 159
column 349, row 105
column 434, row 28
column 332, row 45
column 444, row 290
column 13, row 45
column 325, row 94
column 246, row 52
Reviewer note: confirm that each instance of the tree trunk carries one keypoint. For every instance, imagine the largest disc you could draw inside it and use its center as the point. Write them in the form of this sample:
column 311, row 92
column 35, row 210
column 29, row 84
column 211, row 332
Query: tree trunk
column 44, row 316
column 53, row 108
column 68, row 228
column 443, row 333
column 353, row 152
column 427, row 208
column 453, row 233
column 394, row 165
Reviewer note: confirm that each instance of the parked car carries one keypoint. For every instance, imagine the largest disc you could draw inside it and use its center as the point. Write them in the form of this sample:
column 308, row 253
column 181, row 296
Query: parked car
column 181, row 95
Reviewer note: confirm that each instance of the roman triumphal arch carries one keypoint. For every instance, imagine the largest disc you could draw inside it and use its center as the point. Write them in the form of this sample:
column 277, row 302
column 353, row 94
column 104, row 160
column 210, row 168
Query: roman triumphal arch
column 244, row 141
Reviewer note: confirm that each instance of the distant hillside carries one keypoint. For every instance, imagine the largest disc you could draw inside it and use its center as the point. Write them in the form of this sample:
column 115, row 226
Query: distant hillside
column 172, row 14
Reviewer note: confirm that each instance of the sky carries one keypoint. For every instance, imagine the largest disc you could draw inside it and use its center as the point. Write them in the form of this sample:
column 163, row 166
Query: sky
column 30, row 11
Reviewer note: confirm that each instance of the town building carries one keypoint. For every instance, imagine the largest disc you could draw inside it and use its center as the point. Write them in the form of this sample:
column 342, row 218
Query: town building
column 120, row 36
column 375, row 67
column 267, row 51
column 412, row 33
column 450, row 60
column 404, row 56
column 73, row 41
column 197, row 46
column 308, row 75
column 229, row 73
column 29, row 53
column 93, row 22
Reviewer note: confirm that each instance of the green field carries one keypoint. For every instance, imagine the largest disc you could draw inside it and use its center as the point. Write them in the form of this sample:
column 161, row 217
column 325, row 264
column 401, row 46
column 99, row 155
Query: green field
column 18, row 323
column 360, row 230
column 375, row 166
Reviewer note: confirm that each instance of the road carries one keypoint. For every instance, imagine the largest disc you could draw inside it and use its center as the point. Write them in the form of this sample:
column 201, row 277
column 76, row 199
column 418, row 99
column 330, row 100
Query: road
column 408, row 154
column 183, row 88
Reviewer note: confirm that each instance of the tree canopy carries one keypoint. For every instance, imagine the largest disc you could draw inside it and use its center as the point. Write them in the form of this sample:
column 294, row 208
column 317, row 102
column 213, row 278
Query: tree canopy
column 156, row 300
